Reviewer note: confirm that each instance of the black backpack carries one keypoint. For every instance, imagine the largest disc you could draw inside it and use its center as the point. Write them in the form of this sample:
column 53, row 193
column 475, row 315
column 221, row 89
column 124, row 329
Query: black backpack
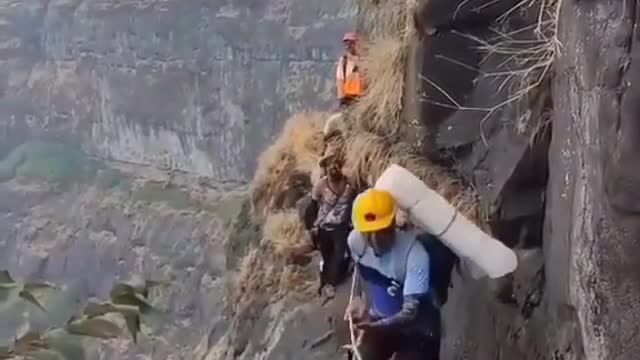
column 441, row 262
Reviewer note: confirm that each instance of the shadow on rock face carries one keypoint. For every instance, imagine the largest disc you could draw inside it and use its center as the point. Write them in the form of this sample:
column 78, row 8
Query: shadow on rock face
column 622, row 146
column 448, row 74
column 460, row 14
column 245, row 233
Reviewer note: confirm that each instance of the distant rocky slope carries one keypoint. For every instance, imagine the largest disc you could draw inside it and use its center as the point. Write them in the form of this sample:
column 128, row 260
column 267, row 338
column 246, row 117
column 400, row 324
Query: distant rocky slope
column 198, row 86
column 82, row 224
column 155, row 86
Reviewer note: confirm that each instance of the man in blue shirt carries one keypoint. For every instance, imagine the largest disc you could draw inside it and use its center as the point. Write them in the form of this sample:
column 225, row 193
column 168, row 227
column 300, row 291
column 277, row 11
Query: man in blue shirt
column 396, row 311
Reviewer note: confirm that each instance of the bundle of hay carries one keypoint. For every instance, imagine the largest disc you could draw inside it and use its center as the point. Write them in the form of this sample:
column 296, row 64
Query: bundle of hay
column 382, row 64
column 263, row 278
column 283, row 174
column 368, row 155
column 285, row 233
column 383, row 18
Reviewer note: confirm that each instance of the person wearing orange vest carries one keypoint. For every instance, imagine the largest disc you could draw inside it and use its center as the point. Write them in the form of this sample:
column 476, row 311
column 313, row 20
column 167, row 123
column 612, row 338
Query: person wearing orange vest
column 348, row 77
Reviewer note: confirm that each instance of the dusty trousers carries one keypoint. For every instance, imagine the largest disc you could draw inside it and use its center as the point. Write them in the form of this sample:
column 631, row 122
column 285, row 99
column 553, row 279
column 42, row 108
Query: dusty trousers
column 334, row 251
column 399, row 346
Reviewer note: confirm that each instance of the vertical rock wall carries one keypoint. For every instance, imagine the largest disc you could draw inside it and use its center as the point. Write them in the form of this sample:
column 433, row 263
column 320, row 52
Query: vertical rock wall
column 593, row 227
column 566, row 198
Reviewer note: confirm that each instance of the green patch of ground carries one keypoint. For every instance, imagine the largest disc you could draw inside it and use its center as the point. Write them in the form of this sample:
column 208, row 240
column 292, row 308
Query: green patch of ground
column 108, row 178
column 49, row 162
column 226, row 208
column 157, row 192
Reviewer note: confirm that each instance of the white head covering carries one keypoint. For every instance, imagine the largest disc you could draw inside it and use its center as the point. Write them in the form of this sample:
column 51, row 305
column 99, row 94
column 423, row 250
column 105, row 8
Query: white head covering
column 333, row 123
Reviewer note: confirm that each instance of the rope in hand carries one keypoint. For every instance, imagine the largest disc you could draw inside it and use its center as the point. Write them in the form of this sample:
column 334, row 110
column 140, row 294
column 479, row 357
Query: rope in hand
column 353, row 347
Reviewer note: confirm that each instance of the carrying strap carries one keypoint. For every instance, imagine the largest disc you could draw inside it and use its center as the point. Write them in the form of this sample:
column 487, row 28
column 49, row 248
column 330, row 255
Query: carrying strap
column 400, row 266
column 344, row 67
column 345, row 59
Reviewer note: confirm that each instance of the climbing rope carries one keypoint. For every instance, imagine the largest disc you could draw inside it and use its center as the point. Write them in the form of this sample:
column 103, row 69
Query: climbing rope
column 353, row 347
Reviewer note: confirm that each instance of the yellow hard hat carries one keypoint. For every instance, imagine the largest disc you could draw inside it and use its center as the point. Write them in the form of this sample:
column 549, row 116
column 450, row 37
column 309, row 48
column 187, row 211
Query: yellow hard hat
column 373, row 210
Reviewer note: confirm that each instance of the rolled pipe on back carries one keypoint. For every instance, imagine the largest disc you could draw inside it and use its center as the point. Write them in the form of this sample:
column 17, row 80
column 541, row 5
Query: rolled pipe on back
column 430, row 211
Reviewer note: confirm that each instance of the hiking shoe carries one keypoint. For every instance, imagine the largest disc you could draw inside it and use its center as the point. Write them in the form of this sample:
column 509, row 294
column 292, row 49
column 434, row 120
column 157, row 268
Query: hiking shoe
column 329, row 292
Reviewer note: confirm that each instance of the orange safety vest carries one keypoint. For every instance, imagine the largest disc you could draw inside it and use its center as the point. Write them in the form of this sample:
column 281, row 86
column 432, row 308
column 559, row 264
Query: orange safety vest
column 352, row 84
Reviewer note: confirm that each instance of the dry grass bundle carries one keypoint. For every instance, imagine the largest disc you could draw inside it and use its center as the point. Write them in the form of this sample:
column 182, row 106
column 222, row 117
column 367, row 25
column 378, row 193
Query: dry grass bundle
column 296, row 281
column 383, row 18
column 379, row 109
column 302, row 133
column 263, row 278
column 285, row 233
column 368, row 155
column 283, row 172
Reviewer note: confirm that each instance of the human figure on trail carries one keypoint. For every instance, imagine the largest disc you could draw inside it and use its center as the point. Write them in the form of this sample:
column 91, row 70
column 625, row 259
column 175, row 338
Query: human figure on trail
column 333, row 139
column 395, row 311
column 348, row 77
column 333, row 196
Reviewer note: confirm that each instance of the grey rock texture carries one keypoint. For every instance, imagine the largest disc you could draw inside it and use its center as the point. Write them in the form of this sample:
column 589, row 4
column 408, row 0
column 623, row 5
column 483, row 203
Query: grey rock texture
column 594, row 177
column 85, row 238
column 564, row 198
column 145, row 224
column 198, row 86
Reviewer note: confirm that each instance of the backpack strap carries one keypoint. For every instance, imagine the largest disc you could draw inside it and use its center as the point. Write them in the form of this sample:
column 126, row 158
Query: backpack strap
column 344, row 66
column 401, row 266
column 433, row 295
column 364, row 251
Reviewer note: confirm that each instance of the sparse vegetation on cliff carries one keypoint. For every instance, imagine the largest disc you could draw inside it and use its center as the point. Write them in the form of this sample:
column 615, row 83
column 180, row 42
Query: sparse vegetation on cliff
column 127, row 307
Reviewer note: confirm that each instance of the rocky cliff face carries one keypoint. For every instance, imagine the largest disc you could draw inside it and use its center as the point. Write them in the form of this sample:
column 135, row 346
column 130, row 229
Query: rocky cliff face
column 107, row 222
column 554, row 170
column 198, row 86
column 124, row 224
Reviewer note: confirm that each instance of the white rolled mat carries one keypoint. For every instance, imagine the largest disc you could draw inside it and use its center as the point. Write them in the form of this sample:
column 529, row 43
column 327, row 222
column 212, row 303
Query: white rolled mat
column 433, row 213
